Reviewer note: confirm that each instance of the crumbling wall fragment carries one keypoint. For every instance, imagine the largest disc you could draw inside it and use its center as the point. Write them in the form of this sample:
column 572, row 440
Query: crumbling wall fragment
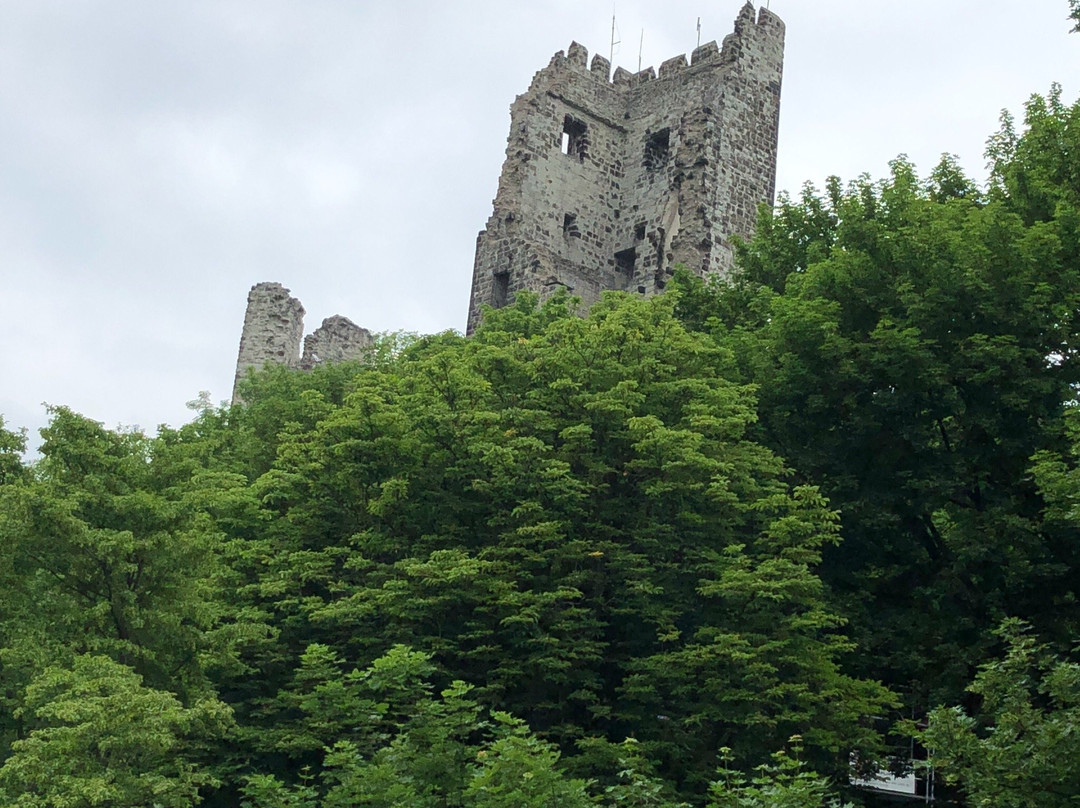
column 338, row 339
column 273, row 328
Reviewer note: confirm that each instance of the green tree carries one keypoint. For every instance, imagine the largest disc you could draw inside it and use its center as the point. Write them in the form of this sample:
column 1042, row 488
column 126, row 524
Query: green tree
column 99, row 557
column 96, row 736
column 517, row 769
column 1034, row 173
column 1021, row 750
column 389, row 741
column 562, row 511
column 766, row 663
column 912, row 346
column 12, row 445
column 785, row 782
column 636, row 784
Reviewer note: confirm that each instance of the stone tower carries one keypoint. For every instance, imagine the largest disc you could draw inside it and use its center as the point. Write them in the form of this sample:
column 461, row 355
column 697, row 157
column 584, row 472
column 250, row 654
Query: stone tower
column 608, row 183
column 274, row 326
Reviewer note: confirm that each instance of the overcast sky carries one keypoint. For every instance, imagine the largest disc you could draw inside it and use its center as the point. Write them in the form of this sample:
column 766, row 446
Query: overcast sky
column 158, row 158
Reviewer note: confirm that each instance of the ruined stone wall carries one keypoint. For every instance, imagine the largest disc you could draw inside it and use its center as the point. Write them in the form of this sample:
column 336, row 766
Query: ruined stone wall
column 338, row 339
column 274, row 327
column 608, row 183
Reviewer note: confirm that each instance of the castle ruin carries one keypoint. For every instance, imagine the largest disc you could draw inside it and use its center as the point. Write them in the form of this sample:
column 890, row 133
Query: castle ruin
column 274, row 326
column 609, row 183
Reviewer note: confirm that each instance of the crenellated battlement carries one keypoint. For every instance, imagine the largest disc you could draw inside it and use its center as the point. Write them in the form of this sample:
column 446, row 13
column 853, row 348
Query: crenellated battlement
column 759, row 26
column 672, row 66
column 705, row 53
column 611, row 179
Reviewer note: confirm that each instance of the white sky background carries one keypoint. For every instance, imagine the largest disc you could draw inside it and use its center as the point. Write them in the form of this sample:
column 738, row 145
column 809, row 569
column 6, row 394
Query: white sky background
column 158, row 158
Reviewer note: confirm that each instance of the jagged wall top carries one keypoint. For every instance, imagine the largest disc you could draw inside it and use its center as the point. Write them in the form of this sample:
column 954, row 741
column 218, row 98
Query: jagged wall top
column 273, row 329
column 759, row 23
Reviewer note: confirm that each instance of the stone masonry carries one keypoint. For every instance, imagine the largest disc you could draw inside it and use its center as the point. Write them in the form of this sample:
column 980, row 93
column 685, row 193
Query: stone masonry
column 338, row 339
column 274, row 326
column 609, row 183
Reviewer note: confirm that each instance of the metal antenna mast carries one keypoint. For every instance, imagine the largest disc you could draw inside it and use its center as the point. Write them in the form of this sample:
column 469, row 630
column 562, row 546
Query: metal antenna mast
column 641, row 44
column 614, row 41
column 699, row 32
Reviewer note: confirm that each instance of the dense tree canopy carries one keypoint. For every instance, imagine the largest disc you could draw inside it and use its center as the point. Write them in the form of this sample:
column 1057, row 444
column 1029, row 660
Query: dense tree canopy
column 95, row 735
column 567, row 515
column 12, row 445
column 1023, row 748
column 688, row 550
column 912, row 343
column 561, row 525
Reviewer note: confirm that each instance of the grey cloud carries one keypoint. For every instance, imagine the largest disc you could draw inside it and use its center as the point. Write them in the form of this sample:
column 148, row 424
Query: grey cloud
column 159, row 158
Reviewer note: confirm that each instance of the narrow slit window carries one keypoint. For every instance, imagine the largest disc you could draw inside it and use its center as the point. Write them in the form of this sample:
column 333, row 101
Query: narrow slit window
column 656, row 149
column 500, row 289
column 574, row 141
column 569, row 226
